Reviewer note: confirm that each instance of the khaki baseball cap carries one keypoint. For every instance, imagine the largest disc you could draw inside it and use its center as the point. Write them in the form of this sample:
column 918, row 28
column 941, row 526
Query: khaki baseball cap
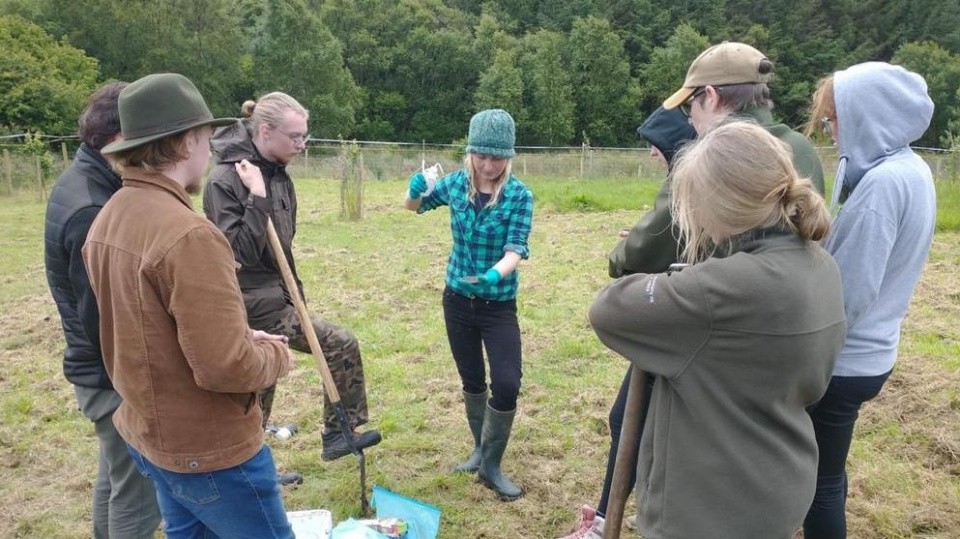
column 726, row 63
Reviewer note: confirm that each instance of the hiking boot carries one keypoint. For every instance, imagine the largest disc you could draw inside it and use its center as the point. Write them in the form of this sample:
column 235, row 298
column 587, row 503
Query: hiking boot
column 290, row 478
column 589, row 525
column 335, row 445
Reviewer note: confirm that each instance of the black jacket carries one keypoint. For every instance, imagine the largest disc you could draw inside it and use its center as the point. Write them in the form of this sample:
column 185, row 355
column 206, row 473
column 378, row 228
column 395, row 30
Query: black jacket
column 77, row 197
column 243, row 218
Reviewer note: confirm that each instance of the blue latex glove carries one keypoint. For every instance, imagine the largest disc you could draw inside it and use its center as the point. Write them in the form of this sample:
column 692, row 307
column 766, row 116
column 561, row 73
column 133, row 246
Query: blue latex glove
column 472, row 289
column 418, row 184
column 491, row 277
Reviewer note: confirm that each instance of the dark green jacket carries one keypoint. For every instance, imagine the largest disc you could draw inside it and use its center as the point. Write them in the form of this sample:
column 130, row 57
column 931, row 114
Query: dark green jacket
column 651, row 245
column 740, row 345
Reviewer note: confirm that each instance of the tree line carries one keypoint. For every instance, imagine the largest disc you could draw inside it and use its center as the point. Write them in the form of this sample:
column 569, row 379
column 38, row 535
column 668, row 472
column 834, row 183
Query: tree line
column 570, row 71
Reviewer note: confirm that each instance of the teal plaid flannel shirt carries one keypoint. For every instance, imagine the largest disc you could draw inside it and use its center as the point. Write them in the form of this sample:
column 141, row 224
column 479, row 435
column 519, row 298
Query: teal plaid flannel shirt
column 481, row 237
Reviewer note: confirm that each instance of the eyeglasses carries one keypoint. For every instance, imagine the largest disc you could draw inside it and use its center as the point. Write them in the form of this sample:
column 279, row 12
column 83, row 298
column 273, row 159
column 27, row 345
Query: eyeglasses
column 686, row 105
column 296, row 138
column 827, row 124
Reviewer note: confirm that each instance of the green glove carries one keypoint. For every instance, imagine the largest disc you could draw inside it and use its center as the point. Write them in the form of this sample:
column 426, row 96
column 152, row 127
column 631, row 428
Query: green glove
column 418, row 184
column 472, row 289
column 491, row 277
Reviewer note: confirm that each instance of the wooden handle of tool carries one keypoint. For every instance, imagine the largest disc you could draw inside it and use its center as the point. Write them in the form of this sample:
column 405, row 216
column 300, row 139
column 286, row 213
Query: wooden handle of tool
column 291, row 284
column 627, row 452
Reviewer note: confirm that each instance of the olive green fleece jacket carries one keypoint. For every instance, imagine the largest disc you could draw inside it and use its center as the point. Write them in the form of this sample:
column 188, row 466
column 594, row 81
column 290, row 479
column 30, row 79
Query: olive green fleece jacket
column 651, row 244
column 740, row 345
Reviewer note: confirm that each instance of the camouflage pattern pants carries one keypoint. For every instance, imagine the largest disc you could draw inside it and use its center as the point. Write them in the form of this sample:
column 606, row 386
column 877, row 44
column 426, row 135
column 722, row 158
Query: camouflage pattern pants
column 342, row 352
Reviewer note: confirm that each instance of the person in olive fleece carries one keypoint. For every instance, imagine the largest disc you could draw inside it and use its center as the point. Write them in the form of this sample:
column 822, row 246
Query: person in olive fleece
column 741, row 342
column 653, row 245
column 729, row 81
column 124, row 503
column 272, row 133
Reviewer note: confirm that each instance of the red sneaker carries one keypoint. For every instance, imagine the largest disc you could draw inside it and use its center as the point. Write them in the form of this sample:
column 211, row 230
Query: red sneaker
column 585, row 522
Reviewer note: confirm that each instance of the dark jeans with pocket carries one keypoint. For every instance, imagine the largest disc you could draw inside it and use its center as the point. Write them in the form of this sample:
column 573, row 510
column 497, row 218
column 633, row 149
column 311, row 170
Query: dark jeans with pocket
column 474, row 325
column 833, row 418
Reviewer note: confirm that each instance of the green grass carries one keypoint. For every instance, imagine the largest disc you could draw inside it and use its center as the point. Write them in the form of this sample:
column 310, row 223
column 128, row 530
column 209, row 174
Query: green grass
column 381, row 278
column 948, row 205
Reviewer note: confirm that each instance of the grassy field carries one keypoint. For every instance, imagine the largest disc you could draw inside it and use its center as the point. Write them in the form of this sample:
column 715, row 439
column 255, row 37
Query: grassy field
column 381, row 278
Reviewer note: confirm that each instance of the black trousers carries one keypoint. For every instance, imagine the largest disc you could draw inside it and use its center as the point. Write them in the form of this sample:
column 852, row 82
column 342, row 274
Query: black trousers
column 474, row 325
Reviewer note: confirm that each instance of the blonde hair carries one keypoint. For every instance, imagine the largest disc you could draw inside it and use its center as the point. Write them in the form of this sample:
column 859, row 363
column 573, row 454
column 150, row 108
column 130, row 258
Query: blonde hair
column 822, row 106
column 270, row 109
column 738, row 177
column 472, row 173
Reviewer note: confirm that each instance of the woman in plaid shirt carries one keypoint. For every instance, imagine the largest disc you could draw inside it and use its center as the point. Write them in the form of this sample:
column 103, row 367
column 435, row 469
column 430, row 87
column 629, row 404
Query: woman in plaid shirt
column 491, row 213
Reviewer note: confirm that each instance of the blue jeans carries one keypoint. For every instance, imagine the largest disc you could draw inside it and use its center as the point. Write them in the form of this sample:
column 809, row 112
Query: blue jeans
column 239, row 502
column 616, row 425
column 833, row 420
column 475, row 324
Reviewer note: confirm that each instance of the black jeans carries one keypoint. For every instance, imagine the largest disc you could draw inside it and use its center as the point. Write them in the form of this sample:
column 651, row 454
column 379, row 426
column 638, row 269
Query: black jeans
column 833, row 419
column 616, row 425
column 475, row 324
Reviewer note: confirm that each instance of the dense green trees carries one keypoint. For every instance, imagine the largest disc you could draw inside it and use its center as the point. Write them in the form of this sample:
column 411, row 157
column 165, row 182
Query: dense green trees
column 416, row 70
column 43, row 83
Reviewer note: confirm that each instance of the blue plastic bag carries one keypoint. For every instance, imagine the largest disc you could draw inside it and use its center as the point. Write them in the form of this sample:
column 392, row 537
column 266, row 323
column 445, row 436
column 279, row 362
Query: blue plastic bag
column 354, row 529
column 423, row 519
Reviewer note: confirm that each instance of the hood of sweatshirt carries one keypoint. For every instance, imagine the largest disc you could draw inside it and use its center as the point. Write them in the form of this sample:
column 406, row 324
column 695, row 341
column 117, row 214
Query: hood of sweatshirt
column 881, row 109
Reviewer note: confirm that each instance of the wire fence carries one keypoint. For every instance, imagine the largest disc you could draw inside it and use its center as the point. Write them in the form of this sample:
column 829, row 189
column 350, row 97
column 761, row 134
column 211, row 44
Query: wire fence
column 24, row 170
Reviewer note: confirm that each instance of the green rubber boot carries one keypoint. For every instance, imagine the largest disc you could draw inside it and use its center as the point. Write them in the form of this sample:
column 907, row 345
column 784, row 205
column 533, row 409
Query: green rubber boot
column 475, row 405
column 493, row 442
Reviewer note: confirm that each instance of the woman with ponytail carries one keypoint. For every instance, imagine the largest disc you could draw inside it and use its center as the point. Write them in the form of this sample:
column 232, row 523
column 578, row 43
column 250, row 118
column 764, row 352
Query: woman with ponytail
column 741, row 342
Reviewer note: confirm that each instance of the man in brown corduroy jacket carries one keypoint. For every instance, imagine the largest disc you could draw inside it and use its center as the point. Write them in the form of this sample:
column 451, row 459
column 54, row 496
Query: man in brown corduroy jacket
column 173, row 327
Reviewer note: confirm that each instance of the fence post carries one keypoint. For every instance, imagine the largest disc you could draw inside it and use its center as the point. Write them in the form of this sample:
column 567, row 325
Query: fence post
column 524, row 167
column 583, row 151
column 8, row 168
column 43, row 194
column 63, row 151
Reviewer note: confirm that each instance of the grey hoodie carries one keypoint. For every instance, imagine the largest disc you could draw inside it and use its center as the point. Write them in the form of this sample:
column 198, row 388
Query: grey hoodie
column 882, row 234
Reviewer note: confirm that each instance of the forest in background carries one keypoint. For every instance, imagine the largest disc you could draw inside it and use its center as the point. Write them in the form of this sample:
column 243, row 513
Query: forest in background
column 570, row 71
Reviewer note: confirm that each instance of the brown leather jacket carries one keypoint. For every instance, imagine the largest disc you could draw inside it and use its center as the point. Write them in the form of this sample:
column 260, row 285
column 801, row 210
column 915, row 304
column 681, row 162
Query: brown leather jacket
column 173, row 330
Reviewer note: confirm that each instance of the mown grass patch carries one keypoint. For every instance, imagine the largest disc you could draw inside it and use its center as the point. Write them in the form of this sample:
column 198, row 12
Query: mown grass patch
column 381, row 278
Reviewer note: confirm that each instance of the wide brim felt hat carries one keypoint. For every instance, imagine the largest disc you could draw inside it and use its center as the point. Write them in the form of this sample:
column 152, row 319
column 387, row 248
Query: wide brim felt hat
column 157, row 106
column 725, row 63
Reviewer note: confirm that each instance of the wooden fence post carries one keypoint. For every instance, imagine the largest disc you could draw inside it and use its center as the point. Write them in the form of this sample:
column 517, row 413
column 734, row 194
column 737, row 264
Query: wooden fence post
column 63, row 152
column 583, row 152
column 43, row 194
column 8, row 169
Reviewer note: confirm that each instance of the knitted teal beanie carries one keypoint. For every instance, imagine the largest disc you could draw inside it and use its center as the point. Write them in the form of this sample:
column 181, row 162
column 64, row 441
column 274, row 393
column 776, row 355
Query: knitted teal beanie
column 492, row 132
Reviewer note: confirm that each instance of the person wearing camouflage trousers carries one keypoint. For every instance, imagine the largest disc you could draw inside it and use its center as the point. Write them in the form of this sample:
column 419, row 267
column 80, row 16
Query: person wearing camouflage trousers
column 271, row 134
